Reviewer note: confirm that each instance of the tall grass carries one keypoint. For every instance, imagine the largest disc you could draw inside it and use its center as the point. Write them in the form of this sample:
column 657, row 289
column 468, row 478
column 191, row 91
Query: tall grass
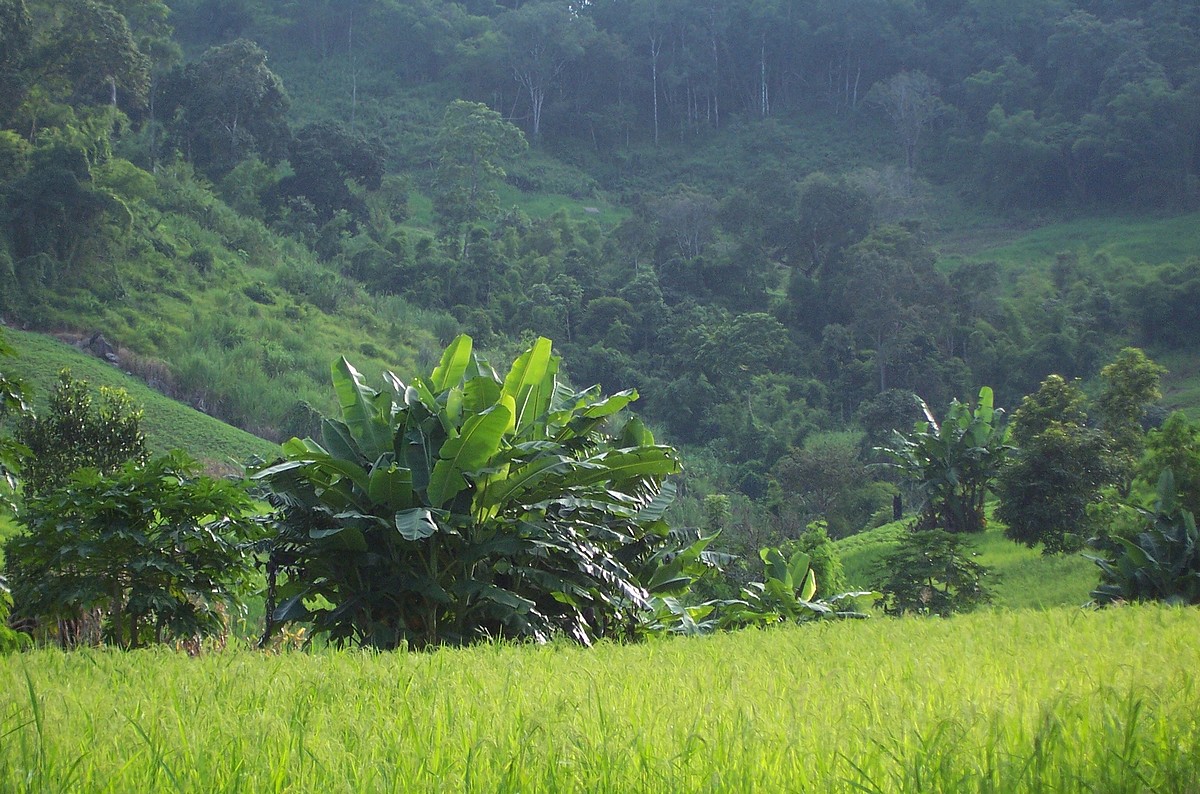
column 1054, row 701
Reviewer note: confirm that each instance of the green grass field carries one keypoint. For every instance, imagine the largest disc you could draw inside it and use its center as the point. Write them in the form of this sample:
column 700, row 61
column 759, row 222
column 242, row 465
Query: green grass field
column 1057, row 701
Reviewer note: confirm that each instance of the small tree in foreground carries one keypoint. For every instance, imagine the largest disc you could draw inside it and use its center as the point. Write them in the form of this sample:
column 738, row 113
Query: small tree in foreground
column 77, row 430
column 156, row 550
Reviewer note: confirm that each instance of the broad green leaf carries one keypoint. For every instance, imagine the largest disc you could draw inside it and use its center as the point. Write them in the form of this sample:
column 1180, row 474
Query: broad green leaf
column 337, row 440
column 479, row 394
column 530, row 383
column 658, row 506
column 611, row 405
column 524, row 480
column 454, row 363
column 478, row 442
column 622, row 465
column 357, row 403
column 391, row 486
column 416, row 523
column 810, row 586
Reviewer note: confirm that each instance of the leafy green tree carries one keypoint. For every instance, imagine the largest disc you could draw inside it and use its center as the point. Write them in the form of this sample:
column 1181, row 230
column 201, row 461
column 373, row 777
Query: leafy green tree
column 76, row 432
column 16, row 42
column 539, row 40
column 94, row 52
column 326, row 157
column 227, row 106
column 828, row 216
column 930, row 573
column 157, row 548
column 1060, row 468
column 955, row 463
column 1131, row 383
column 1175, row 447
column 464, row 506
column 474, row 145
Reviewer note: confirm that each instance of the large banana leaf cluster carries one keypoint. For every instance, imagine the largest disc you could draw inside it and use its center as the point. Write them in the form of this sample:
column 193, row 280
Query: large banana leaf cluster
column 955, row 462
column 463, row 506
column 1162, row 563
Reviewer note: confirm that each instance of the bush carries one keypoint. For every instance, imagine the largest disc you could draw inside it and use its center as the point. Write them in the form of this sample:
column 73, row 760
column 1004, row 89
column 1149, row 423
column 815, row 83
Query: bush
column 930, row 574
column 156, row 550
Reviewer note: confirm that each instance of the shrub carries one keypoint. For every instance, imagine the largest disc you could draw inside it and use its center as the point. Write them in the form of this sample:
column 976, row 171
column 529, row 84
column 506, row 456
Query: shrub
column 929, row 573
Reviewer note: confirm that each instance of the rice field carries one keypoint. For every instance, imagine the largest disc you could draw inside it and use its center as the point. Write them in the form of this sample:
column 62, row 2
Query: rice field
column 1057, row 700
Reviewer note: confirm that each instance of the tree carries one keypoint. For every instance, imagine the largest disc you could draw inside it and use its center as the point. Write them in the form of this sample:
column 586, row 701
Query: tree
column 1162, row 563
column 326, row 157
column 1059, row 468
column 539, row 40
column 955, row 463
column 474, row 145
column 930, row 573
column 828, row 217
column 156, row 548
column 1175, row 447
column 911, row 101
column 75, row 432
column 229, row 105
column 1131, row 382
column 464, row 506
column 94, row 52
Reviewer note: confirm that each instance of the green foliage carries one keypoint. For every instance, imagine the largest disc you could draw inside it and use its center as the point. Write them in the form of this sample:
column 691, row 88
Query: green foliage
column 954, row 463
column 787, row 594
column 1131, row 383
column 464, row 506
column 157, row 549
column 474, row 144
column 75, row 432
column 823, row 559
column 930, row 573
column 1175, row 447
column 13, row 404
column 1057, row 471
column 1162, row 563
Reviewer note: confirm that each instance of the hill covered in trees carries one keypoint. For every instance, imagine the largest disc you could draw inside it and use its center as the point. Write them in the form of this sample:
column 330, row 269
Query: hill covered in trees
column 743, row 210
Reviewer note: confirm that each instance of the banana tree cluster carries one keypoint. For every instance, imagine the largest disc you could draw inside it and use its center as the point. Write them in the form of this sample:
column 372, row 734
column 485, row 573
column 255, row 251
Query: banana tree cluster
column 954, row 462
column 464, row 506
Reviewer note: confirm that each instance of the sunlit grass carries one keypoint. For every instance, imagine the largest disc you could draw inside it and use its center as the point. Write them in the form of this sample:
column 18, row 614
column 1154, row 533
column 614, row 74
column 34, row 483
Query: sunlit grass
column 1063, row 700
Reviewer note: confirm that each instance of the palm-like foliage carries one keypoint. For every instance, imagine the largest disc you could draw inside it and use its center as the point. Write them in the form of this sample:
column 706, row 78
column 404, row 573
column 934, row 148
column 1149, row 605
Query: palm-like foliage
column 954, row 462
column 464, row 506
column 1162, row 563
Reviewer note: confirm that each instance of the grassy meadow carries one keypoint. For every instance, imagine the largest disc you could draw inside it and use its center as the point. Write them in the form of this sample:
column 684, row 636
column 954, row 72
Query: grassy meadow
column 1060, row 700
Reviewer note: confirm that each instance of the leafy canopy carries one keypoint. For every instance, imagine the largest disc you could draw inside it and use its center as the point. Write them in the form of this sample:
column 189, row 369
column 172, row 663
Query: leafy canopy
column 464, row 505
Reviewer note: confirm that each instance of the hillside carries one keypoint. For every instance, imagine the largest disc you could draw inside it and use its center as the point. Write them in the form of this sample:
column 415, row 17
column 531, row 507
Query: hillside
column 739, row 217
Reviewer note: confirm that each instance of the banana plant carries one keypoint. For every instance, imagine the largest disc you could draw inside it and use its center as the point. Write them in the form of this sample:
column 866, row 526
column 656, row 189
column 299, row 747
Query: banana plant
column 786, row 594
column 1162, row 563
column 463, row 505
column 955, row 462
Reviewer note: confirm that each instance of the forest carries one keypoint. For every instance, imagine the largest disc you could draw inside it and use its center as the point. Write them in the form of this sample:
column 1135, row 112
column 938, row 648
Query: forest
column 742, row 211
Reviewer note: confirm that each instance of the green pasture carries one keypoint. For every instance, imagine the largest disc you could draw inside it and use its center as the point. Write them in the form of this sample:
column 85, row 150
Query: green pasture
column 1019, row 577
column 1058, row 701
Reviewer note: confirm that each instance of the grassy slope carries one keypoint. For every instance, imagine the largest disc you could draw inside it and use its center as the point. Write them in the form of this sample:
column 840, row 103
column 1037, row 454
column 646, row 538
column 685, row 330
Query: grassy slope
column 168, row 424
column 1063, row 700
column 1020, row 578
